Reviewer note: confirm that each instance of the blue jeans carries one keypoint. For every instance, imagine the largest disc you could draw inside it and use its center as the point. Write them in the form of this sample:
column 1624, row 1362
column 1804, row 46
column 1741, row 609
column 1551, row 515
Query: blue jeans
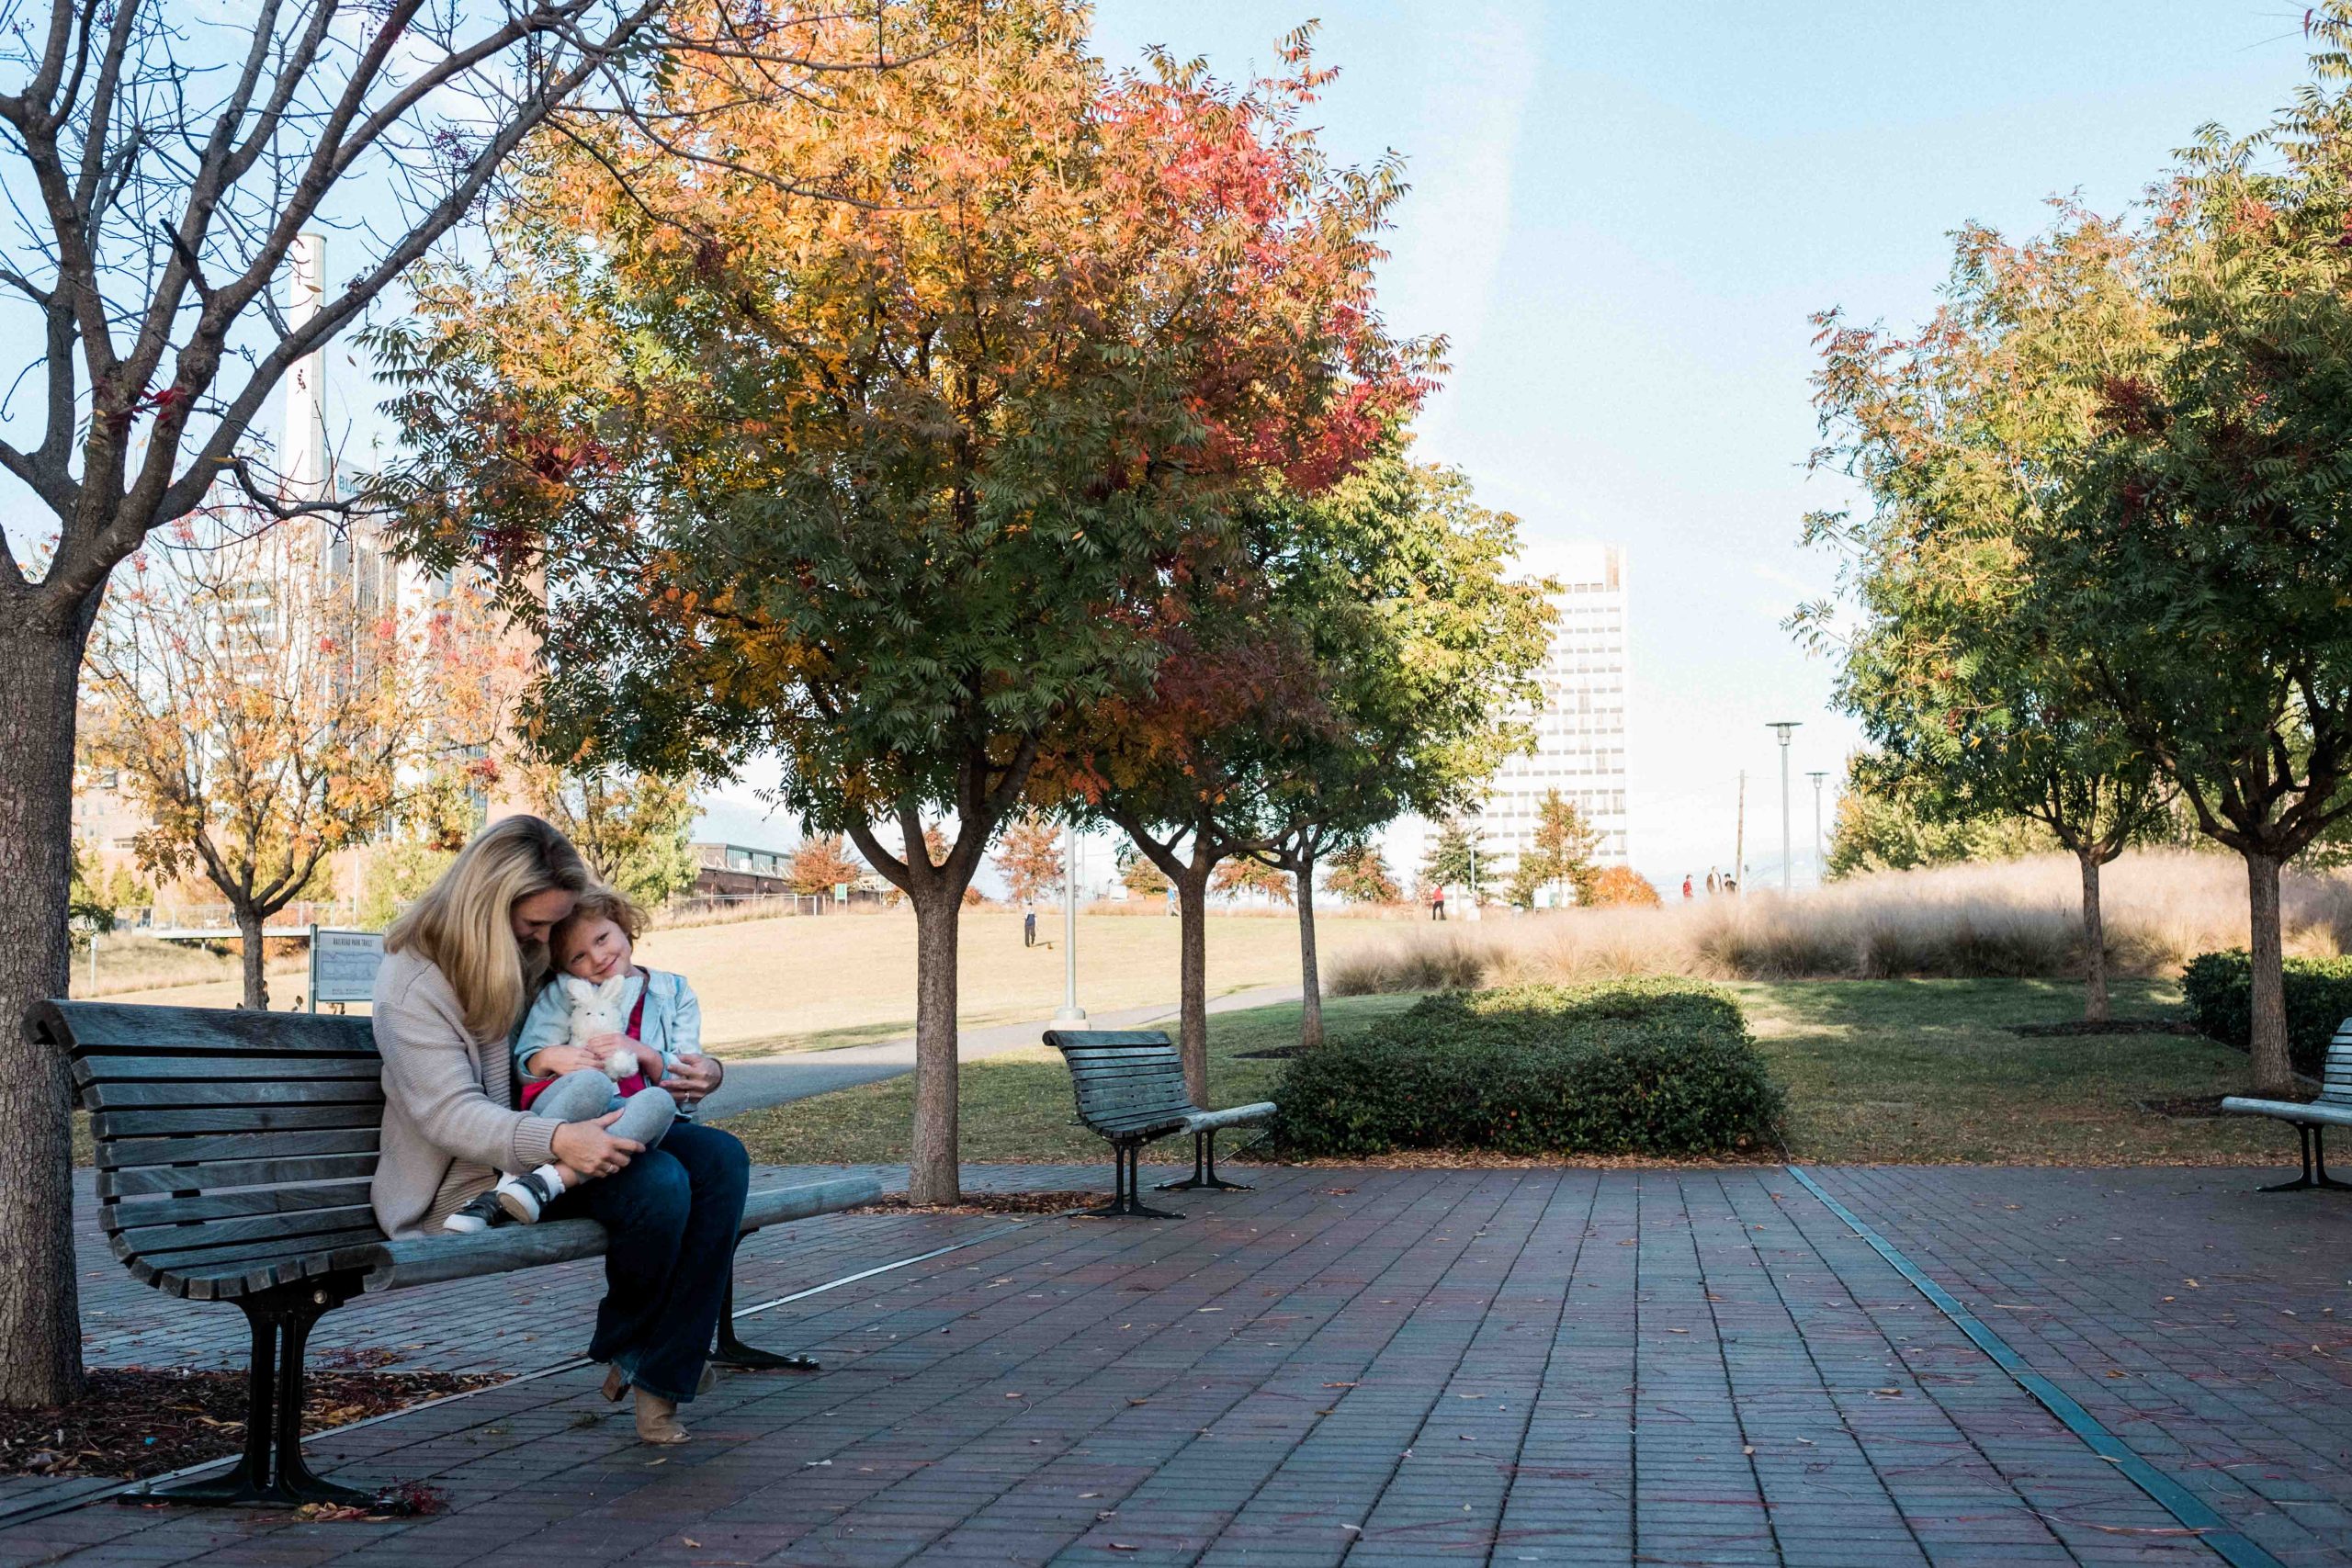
column 672, row 1216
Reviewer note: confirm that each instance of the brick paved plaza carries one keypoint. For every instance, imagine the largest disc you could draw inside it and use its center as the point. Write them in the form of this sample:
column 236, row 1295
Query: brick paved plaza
column 1699, row 1366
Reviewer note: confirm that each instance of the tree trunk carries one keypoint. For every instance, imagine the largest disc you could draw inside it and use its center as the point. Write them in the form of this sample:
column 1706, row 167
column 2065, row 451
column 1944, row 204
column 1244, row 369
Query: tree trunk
column 1192, row 976
column 40, row 1338
column 2095, row 1002
column 932, row 1173
column 1310, row 978
column 253, row 959
column 2273, row 1074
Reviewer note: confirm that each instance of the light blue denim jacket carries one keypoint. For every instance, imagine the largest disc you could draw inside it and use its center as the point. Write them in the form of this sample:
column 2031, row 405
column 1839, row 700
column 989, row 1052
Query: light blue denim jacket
column 672, row 1024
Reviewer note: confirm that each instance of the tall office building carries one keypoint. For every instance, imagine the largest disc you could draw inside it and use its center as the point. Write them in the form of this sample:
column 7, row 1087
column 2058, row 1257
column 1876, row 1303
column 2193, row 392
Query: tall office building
column 1580, row 728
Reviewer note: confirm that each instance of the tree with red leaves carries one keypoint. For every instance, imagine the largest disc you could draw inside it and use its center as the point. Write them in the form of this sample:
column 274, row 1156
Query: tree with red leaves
column 896, row 476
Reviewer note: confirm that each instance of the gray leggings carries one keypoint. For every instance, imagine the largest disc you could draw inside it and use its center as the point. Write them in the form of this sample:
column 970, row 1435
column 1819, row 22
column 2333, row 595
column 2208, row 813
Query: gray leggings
column 587, row 1094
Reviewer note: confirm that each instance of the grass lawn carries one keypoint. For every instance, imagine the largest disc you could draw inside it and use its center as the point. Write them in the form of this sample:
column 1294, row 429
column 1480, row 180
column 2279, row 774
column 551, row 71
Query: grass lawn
column 811, row 983
column 1920, row 1071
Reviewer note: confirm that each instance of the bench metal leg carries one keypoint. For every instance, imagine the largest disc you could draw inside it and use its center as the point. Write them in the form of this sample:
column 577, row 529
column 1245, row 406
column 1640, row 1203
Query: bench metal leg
column 1126, row 1203
column 272, row 1472
column 732, row 1352
column 2314, row 1164
column 1205, row 1168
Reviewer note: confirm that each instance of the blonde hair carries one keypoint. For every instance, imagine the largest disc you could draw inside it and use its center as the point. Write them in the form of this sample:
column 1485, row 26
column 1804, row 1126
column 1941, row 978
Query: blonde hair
column 465, row 922
column 600, row 903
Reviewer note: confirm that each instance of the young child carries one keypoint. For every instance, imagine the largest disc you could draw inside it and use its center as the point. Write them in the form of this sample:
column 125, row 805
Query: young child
column 567, row 1080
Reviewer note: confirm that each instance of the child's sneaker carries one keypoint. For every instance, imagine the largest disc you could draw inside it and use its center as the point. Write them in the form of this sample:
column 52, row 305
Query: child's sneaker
column 480, row 1212
column 521, row 1197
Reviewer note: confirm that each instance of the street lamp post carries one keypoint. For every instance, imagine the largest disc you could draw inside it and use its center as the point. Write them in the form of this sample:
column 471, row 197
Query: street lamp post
column 1472, row 913
column 1820, row 867
column 1787, row 852
column 1071, row 1012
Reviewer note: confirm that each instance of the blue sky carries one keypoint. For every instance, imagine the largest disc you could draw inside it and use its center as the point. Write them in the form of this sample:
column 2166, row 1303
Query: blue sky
column 1622, row 216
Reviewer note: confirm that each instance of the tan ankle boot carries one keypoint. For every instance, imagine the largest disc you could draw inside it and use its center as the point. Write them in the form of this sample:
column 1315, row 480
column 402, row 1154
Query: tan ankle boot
column 657, row 1420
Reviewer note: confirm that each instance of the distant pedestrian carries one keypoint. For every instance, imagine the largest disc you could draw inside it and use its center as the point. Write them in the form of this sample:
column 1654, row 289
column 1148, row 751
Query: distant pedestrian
column 1029, row 926
column 1436, row 903
column 1713, row 885
column 1685, row 887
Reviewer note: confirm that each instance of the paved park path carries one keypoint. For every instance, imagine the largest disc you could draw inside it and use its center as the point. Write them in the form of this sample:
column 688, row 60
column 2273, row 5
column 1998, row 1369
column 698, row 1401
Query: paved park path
column 755, row 1082
column 1383, row 1367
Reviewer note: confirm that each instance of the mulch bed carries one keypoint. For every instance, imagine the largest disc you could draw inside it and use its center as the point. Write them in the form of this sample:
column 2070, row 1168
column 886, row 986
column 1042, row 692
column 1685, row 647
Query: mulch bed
column 136, row 1421
column 1274, row 1054
column 990, row 1203
column 2104, row 1026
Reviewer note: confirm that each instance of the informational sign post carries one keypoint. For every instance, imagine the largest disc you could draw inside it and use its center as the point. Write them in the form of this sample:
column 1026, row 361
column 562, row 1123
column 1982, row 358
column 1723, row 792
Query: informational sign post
column 344, row 965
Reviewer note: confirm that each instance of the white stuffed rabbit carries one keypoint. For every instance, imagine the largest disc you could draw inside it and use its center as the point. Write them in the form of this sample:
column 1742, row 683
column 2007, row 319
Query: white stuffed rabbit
column 597, row 1010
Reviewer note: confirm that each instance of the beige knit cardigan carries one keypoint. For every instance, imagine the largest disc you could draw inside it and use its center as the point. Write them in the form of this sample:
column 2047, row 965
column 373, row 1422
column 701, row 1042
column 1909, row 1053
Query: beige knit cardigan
column 449, row 1123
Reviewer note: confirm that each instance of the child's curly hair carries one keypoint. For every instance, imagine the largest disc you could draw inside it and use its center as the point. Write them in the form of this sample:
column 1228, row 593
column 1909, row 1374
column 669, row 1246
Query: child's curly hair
column 600, row 903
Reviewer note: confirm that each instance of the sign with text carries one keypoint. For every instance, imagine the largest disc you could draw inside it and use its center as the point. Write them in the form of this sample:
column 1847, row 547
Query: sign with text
column 344, row 965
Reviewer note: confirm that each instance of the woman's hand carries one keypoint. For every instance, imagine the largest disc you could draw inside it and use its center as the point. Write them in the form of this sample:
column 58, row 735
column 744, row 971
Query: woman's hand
column 589, row 1149
column 695, row 1078
column 554, row 1061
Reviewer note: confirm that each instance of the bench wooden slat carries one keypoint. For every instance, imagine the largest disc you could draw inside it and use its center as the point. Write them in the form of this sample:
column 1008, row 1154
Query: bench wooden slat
column 238, row 1119
column 173, row 1096
column 171, row 1258
column 141, row 1212
column 233, row 1173
column 205, row 1070
column 254, row 1227
column 99, row 1026
column 124, row 1154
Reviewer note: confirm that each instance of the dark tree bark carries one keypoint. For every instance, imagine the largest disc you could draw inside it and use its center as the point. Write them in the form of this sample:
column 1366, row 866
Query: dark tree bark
column 39, row 1308
column 1310, row 976
column 2095, row 1000
column 985, row 794
column 253, row 960
column 1189, row 877
column 2274, row 1073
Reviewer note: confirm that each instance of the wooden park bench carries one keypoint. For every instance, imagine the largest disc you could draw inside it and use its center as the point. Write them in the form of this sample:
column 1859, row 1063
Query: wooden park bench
column 1130, row 1088
column 234, row 1151
column 2312, row 1118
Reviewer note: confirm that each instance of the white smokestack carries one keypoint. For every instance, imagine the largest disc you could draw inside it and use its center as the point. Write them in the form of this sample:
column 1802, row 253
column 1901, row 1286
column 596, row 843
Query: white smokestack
column 302, row 457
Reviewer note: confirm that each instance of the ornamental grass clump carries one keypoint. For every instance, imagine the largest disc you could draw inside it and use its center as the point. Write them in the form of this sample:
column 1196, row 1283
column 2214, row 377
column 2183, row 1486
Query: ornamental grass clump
column 1662, row 1067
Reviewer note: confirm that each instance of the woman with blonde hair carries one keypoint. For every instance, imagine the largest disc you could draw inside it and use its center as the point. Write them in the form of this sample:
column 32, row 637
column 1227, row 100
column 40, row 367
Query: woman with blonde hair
column 459, row 969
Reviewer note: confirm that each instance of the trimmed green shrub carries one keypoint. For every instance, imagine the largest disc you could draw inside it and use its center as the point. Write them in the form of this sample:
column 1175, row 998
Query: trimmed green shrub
column 2219, row 987
column 1633, row 1067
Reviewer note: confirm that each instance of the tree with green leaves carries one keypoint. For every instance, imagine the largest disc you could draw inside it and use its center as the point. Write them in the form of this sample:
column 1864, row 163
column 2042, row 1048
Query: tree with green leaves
column 2171, row 393
column 1558, row 855
column 1455, row 858
column 1424, row 651
column 634, row 829
column 1872, row 831
column 1979, row 710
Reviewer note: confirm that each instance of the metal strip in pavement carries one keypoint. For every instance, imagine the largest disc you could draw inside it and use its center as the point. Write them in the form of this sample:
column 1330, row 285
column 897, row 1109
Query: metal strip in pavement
column 2169, row 1495
column 81, row 1498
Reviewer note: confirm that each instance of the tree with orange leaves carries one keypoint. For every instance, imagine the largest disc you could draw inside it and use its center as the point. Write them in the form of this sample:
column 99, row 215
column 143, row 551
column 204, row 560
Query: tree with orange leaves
column 879, row 456
column 266, row 712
